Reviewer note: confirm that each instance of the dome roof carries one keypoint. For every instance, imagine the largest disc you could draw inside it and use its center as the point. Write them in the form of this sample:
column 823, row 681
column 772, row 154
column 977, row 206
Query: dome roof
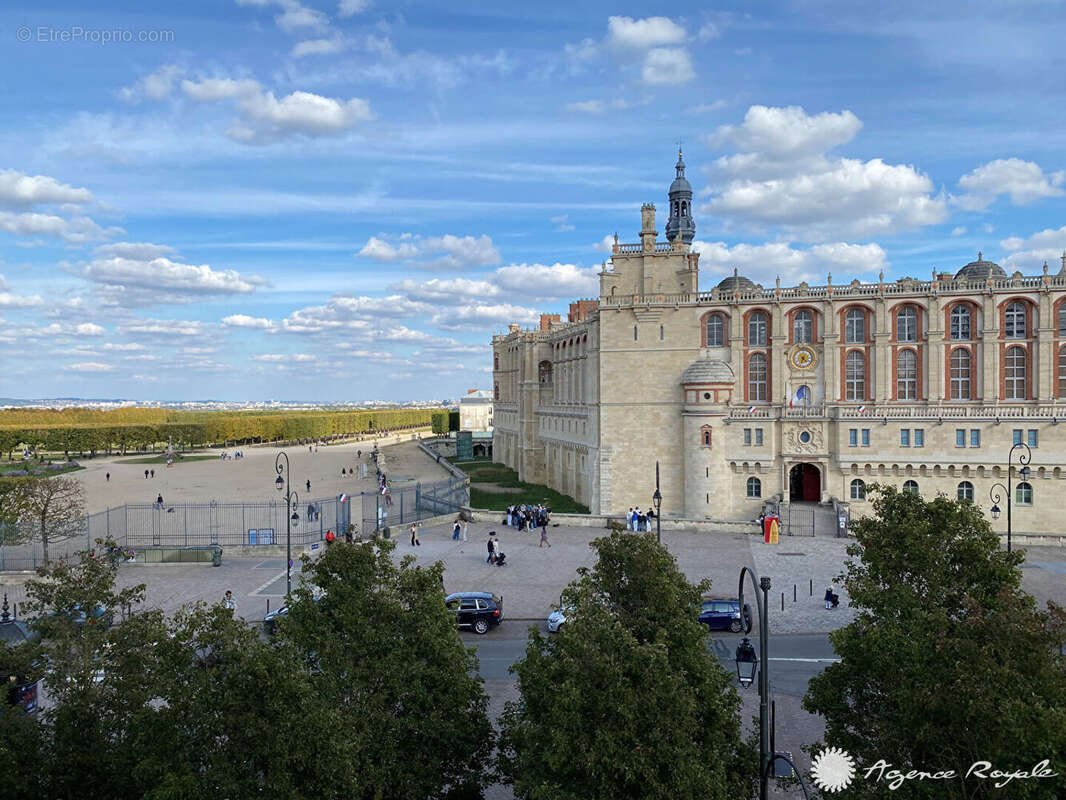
column 736, row 283
column 680, row 184
column 708, row 370
column 980, row 270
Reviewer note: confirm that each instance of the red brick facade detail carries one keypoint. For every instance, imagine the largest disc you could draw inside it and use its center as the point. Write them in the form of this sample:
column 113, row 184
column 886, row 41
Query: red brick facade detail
column 817, row 329
column 725, row 327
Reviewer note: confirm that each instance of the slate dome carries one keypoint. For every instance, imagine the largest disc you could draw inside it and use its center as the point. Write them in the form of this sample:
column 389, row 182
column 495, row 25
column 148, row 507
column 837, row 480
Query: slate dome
column 708, row 370
column 980, row 270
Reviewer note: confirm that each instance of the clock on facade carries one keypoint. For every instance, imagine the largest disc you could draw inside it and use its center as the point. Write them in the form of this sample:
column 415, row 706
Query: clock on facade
column 803, row 358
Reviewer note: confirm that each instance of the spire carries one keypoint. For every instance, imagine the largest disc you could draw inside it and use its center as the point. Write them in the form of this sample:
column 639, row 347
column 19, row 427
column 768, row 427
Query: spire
column 680, row 165
column 680, row 223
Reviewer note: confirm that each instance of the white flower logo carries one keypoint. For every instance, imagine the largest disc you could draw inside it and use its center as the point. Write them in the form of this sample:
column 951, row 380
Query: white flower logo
column 832, row 769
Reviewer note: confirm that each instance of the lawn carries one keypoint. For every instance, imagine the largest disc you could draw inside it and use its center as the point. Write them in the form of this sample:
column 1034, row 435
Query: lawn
column 498, row 475
column 162, row 459
column 37, row 468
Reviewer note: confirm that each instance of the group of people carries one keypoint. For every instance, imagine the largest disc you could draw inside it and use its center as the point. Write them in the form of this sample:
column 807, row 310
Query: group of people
column 637, row 520
column 525, row 517
column 459, row 529
column 495, row 555
column 226, row 456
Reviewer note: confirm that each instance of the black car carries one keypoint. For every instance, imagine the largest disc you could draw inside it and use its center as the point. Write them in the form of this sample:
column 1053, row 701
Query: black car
column 477, row 610
column 721, row 614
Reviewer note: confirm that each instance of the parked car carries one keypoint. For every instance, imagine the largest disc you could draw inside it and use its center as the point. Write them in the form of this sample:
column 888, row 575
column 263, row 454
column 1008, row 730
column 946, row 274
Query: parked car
column 478, row 611
column 556, row 619
column 271, row 620
column 720, row 614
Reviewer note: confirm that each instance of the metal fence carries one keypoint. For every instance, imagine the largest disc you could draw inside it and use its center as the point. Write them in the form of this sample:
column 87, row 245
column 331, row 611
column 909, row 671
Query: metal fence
column 136, row 526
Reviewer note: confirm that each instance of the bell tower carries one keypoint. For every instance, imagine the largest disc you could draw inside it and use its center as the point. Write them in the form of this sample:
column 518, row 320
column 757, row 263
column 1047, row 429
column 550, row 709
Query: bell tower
column 680, row 222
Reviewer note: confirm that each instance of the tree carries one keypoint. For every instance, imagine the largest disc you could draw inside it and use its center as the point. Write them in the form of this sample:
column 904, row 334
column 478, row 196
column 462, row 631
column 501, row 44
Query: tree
column 948, row 661
column 384, row 660
column 439, row 422
column 55, row 505
column 627, row 701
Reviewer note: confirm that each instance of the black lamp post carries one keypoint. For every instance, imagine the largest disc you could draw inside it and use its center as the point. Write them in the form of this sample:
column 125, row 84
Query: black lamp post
column 748, row 665
column 292, row 501
column 657, row 501
column 996, row 497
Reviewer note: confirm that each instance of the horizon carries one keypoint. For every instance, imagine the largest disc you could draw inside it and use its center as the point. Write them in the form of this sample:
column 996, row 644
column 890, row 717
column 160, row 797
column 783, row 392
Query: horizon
column 237, row 199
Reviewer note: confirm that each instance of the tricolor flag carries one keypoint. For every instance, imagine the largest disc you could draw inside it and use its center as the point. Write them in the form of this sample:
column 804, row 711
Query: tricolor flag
column 862, row 409
column 344, row 497
column 751, row 409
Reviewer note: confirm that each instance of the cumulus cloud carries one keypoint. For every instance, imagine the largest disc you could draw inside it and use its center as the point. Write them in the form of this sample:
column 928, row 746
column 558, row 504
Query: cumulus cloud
column 1031, row 252
column 478, row 316
column 667, row 65
column 156, row 86
column 784, row 178
column 18, row 190
column 380, row 250
column 211, row 90
column 89, row 329
column 75, row 230
column 140, row 251
column 10, row 300
column 438, row 252
column 555, row 281
column 245, row 321
column 280, row 358
column 164, row 276
column 440, row 290
column 294, row 17
column 653, row 43
column 348, row 8
column 1024, row 181
column 643, row 33
column 318, row 47
column 164, row 328
column 352, row 314
column 763, row 263
column 91, row 366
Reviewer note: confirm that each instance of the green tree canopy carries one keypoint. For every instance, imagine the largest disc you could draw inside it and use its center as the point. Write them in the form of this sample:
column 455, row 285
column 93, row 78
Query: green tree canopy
column 948, row 661
column 627, row 701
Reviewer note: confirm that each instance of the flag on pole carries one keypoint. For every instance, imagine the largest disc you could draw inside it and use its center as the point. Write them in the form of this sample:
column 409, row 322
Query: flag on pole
column 344, row 497
column 862, row 409
column 751, row 409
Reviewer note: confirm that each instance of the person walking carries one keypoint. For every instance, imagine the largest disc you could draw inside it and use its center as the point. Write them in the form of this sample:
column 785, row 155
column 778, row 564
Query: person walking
column 828, row 597
column 108, row 477
column 544, row 535
column 153, row 473
column 308, row 484
column 464, row 530
column 146, row 474
column 491, row 545
column 229, row 603
column 159, row 499
column 414, row 535
column 457, row 530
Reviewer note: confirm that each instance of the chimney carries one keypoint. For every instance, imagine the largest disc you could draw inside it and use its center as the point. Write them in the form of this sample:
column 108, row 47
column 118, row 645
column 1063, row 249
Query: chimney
column 546, row 321
column 647, row 227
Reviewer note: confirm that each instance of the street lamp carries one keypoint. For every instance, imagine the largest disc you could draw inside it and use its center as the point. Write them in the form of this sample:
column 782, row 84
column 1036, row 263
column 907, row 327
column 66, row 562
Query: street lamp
column 747, row 665
column 996, row 497
column 657, row 501
column 292, row 501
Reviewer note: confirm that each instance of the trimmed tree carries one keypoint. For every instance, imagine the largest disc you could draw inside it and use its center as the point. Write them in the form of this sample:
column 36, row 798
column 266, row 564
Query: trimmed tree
column 626, row 701
column 384, row 659
column 948, row 661
column 56, row 507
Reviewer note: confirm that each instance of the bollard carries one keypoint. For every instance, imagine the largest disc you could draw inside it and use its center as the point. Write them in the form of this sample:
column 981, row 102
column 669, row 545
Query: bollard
column 268, row 605
column 812, row 587
column 782, row 601
column 793, row 593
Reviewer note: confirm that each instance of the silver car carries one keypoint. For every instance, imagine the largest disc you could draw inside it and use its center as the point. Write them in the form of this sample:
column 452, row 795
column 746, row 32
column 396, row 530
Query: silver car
column 557, row 618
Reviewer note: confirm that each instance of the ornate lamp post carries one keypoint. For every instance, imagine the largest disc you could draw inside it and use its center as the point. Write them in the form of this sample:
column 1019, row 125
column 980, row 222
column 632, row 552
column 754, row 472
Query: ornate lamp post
column 292, row 501
column 747, row 665
column 657, row 501
column 994, row 492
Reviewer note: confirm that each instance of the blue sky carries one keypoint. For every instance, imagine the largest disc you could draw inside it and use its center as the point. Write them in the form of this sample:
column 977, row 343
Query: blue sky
column 344, row 201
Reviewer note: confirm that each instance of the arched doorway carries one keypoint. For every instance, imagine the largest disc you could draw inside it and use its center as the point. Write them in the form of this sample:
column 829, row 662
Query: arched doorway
column 805, row 483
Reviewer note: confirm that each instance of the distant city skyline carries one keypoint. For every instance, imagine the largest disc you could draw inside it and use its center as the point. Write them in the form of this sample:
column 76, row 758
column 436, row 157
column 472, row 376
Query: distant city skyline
column 344, row 201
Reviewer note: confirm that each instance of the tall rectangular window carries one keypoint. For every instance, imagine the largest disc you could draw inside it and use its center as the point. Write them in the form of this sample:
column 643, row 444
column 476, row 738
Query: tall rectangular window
column 853, row 437
column 1015, row 374
column 907, row 375
column 757, row 377
column 975, row 437
column 757, row 330
column 758, row 437
column 747, row 437
column 919, row 437
column 905, row 437
column 855, row 376
column 855, row 326
column 960, row 437
column 960, row 324
column 960, row 374
column 1032, row 437
column 865, row 437
column 1018, row 433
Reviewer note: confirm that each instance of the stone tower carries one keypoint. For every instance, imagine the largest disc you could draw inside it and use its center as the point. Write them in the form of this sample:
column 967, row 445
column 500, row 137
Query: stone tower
column 680, row 223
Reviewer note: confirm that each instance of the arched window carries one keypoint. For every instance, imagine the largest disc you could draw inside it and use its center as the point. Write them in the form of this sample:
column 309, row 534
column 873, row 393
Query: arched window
column 1062, row 319
column 1062, row 372
column 858, row 490
column 1014, row 374
column 803, row 327
column 757, row 377
column 966, row 491
column 855, row 326
column 907, row 375
column 757, row 330
column 545, row 373
column 960, row 374
column 705, row 436
column 754, row 487
column 1023, row 495
column 855, row 376
column 907, row 324
column 715, row 330
column 961, row 323
column 684, row 208
column 1014, row 321
column 910, row 487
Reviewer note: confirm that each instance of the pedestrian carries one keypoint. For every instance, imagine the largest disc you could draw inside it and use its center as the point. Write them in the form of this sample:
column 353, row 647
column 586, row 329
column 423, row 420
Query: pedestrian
column 629, row 519
column 348, row 533
column 414, row 535
column 310, row 512
column 828, row 597
column 491, row 545
column 330, row 536
column 153, row 473
column 457, row 530
column 464, row 530
column 309, row 484
column 159, row 499
column 343, row 473
column 108, row 476
column 229, row 603
column 544, row 535
column 146, row 474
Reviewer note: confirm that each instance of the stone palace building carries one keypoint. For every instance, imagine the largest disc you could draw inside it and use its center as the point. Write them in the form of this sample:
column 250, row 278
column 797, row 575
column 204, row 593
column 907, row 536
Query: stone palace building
column 746, row 394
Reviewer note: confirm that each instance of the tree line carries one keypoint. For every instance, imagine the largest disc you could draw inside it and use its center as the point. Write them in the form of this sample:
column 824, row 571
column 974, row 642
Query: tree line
column 125, row 429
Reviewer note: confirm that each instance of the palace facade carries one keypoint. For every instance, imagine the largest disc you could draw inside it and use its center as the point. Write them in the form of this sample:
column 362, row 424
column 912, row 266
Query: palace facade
column 746, row 394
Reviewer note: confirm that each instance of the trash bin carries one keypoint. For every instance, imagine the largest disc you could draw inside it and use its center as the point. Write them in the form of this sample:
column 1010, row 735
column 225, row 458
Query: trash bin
column 386, row 532
column 216, row 556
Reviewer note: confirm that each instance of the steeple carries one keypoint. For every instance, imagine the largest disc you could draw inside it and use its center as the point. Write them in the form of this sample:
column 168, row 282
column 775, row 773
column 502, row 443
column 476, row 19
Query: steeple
column 680, row 222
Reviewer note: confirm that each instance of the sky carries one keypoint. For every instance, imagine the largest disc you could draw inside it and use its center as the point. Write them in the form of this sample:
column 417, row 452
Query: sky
column 344, row 201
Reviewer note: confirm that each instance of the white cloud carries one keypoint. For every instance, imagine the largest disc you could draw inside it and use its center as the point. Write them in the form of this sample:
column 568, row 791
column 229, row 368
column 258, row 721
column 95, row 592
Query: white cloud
column 706, row 108
column 165, row 328
column 139, row 251
column 1031, row 252
column 18, row 190
column 244, row 321
column 561, row 223
column 211, row 90
column 348, row 8
column 268, row 118
column 642, row 34
column 439, row 290
column 958, row 230
column 587, row 106
column 164, row 275
column 667, row 66
column 318, row 47
column 763, row 263
column 783, row 178
column 362, row 315
column 479, row 316
column 605, row 245
column 91, row 366
column 708, row 31
column 1024, row 181
column 76, row 230
column 156, row 86
column 380, row 250
column 281, row 358
column 294, row 16
column 463, row 251
column 557, row 280
column 9, row 300
column 89, row 329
